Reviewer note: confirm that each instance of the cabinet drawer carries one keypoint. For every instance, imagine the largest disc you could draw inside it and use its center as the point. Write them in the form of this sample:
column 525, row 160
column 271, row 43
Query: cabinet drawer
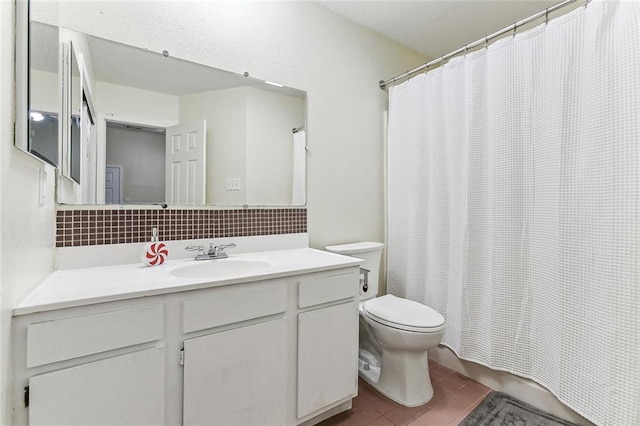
column 328, row 288
column 59, row 340
column 233, row 304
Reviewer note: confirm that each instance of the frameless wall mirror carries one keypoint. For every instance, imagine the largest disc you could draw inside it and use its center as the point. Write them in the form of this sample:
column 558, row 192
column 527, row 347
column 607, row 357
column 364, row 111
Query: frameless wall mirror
column 166, row 130
column 38, row 89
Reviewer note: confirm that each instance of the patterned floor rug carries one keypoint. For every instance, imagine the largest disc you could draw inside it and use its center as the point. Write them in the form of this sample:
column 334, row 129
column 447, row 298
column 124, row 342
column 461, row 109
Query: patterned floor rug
column 499, row 409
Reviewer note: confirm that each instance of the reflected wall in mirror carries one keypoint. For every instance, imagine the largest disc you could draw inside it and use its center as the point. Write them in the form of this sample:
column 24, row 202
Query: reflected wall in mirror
column 145, row 107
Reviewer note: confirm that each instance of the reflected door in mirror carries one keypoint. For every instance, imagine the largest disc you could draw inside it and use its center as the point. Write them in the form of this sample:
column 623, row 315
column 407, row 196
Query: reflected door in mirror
column 113, row 185
column 186, row 161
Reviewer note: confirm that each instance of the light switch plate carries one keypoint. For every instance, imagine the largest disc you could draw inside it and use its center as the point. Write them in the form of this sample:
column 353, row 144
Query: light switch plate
column 42, row 188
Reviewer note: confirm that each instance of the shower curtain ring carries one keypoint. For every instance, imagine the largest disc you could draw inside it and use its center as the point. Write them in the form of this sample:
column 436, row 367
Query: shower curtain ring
column 546, row 16
column 486, row 42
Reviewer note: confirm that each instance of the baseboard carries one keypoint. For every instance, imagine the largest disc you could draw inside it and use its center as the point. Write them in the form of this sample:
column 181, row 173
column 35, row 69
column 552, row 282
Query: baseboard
column 523, row 389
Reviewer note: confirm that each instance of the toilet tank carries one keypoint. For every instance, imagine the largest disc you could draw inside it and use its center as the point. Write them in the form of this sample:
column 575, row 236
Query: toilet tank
column 370, row 252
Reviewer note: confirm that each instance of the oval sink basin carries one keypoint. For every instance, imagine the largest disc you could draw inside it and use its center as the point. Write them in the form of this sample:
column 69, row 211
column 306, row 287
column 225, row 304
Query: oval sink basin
column 220, row 268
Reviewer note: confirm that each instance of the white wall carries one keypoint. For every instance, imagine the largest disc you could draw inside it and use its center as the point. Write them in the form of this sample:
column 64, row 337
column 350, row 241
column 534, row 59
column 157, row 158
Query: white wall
column 298, row 44
column 26, row 229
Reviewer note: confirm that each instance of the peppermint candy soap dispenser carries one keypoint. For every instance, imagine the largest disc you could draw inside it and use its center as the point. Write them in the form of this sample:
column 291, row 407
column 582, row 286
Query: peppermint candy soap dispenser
column 154, row 252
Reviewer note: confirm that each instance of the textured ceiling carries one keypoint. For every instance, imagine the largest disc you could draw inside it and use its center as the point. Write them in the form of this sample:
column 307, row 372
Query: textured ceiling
column 432, row 27
column 436, row 27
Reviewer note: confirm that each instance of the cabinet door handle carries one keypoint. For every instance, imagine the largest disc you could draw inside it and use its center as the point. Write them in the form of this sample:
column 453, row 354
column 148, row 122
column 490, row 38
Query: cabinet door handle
column 26, row 396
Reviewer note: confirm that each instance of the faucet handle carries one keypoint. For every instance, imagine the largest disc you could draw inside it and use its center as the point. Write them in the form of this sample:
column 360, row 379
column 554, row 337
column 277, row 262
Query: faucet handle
column 199, row 249
column 218, row 251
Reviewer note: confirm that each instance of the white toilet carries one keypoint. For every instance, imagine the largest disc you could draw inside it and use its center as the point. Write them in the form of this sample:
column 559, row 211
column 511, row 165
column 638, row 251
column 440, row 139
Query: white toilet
column 395, row 334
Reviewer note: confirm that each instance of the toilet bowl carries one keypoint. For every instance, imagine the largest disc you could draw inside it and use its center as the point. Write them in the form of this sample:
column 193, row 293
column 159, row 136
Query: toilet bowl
column 404, row 331
column 395, row 334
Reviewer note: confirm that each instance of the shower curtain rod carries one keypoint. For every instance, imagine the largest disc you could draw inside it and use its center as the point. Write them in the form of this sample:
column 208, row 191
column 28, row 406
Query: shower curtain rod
column 484, row 40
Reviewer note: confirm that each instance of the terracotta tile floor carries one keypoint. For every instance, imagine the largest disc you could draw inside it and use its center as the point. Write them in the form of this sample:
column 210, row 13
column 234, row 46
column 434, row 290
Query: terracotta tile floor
column 454, row 398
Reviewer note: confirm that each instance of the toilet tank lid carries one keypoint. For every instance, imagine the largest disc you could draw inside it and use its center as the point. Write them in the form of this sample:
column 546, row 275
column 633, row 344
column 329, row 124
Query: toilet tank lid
column 354, row 248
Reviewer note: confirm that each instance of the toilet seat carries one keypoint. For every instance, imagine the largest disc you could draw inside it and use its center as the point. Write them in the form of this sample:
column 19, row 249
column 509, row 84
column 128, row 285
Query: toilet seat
column 403, row 314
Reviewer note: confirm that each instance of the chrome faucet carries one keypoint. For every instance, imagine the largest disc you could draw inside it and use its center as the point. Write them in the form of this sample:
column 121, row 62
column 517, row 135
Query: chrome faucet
column 214, row 252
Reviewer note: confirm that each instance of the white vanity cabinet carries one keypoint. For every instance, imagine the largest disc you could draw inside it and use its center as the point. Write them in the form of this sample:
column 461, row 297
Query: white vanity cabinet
column 277, row 351
column 327, row 341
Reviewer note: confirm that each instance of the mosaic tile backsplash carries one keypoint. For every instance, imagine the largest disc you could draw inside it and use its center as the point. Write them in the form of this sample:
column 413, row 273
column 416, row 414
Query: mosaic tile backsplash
column 94, row 227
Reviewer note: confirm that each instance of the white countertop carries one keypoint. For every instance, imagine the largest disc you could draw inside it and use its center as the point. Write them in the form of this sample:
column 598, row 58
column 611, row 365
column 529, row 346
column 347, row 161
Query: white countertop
column 78, row 287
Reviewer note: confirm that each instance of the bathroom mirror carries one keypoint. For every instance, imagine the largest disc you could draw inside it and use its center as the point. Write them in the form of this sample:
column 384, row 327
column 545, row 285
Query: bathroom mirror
column 38, row 90
column 149, row 105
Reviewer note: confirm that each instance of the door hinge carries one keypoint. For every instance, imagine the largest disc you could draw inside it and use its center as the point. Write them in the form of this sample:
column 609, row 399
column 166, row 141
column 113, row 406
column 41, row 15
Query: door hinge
column 181, row 357
column 26, row 396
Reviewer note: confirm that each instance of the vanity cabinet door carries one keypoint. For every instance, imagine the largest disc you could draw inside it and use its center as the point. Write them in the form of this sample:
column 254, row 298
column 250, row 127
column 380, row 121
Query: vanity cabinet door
column 327, row 356
column 123, row 390
column 237, row 377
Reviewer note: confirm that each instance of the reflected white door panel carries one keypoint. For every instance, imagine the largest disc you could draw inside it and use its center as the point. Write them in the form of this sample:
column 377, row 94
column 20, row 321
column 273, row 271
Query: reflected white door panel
column 185, row 163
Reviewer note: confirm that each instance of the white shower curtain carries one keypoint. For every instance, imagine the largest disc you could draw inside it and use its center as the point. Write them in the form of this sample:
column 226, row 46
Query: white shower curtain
column 513, row 193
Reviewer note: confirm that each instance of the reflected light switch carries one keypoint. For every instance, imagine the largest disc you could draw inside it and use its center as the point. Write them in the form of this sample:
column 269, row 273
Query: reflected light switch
column 233, row 184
